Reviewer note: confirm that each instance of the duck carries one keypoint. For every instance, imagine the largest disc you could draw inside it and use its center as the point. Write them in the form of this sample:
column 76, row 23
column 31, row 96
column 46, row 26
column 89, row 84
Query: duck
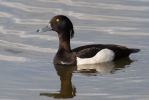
column 88, row 54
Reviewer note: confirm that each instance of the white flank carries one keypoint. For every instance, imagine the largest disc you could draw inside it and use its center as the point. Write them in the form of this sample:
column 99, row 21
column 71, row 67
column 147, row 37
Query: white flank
column 105, row 55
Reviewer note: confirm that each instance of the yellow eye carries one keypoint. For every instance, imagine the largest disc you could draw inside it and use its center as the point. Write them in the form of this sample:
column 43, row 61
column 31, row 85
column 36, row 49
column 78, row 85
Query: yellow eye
column 57, row 20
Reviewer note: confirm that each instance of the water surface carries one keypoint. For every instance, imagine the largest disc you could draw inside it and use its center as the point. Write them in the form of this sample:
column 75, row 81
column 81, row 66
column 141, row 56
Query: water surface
column 26, row 68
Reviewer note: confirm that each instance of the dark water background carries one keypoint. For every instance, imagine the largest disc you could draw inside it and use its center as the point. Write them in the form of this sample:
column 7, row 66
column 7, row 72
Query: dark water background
column 26, row 68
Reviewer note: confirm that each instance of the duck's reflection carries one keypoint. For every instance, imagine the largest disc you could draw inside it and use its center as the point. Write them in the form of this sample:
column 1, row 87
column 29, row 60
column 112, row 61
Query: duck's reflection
column 91, row 70
column 67, row 89
column 65, row 73
column 107, row 67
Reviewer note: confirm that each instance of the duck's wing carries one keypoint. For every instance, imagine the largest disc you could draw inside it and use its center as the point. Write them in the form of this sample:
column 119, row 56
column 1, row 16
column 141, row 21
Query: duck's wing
column 86, row 51
column 91, row 50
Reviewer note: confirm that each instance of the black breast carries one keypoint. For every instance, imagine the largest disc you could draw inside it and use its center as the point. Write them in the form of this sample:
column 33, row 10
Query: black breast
column 65, row 58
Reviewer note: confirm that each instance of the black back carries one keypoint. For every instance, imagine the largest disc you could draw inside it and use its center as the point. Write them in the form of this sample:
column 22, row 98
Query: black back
column 91, row 50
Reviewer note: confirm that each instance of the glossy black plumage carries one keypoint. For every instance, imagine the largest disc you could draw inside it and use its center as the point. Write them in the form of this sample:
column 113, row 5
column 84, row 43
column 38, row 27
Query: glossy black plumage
column 91, row 50
column 64, row 27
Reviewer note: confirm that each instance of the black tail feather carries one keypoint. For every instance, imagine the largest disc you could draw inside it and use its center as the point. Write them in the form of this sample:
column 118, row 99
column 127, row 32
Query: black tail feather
column 132, row 50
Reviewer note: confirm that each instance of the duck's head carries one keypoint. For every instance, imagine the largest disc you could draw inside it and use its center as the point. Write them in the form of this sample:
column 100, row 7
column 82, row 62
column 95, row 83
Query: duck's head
column 61, row 24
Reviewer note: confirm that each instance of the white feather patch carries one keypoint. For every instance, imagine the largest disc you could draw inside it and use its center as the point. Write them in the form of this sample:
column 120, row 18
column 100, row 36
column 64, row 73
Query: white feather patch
column 105, row 55
column 105, row 67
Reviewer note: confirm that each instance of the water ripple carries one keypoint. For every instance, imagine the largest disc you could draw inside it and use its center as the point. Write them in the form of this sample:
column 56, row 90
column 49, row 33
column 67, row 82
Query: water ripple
column 71, row 13
column 26, row 47
column 12, row 58
column 28, row 8
column 3, row 14
column 29, row 21
column 99, row 5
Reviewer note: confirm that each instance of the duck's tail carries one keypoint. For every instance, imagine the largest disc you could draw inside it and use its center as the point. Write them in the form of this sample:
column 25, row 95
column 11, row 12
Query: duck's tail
column 133, row 50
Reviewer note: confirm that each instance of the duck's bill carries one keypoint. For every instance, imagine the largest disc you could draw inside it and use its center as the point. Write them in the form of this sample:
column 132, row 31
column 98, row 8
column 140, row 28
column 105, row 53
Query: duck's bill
column 45, row 29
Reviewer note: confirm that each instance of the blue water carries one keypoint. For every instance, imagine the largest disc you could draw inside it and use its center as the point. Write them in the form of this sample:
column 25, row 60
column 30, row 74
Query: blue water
column 26, row 68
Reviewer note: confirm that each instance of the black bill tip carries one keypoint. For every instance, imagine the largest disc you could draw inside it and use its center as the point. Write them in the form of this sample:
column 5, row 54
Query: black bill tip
column 37, row 30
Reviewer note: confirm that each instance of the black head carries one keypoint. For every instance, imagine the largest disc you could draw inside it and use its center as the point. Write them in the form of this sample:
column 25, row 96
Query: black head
column 60, row 24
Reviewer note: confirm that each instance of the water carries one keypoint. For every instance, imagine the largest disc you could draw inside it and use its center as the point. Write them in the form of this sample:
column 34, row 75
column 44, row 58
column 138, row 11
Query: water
column 27, row 71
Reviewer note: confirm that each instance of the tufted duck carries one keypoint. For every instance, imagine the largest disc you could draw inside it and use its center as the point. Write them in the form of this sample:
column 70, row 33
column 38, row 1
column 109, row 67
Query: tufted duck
column 88, row 54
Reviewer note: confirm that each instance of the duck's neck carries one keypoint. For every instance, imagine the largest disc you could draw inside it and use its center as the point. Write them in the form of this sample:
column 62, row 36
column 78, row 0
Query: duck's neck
column 64, row 42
